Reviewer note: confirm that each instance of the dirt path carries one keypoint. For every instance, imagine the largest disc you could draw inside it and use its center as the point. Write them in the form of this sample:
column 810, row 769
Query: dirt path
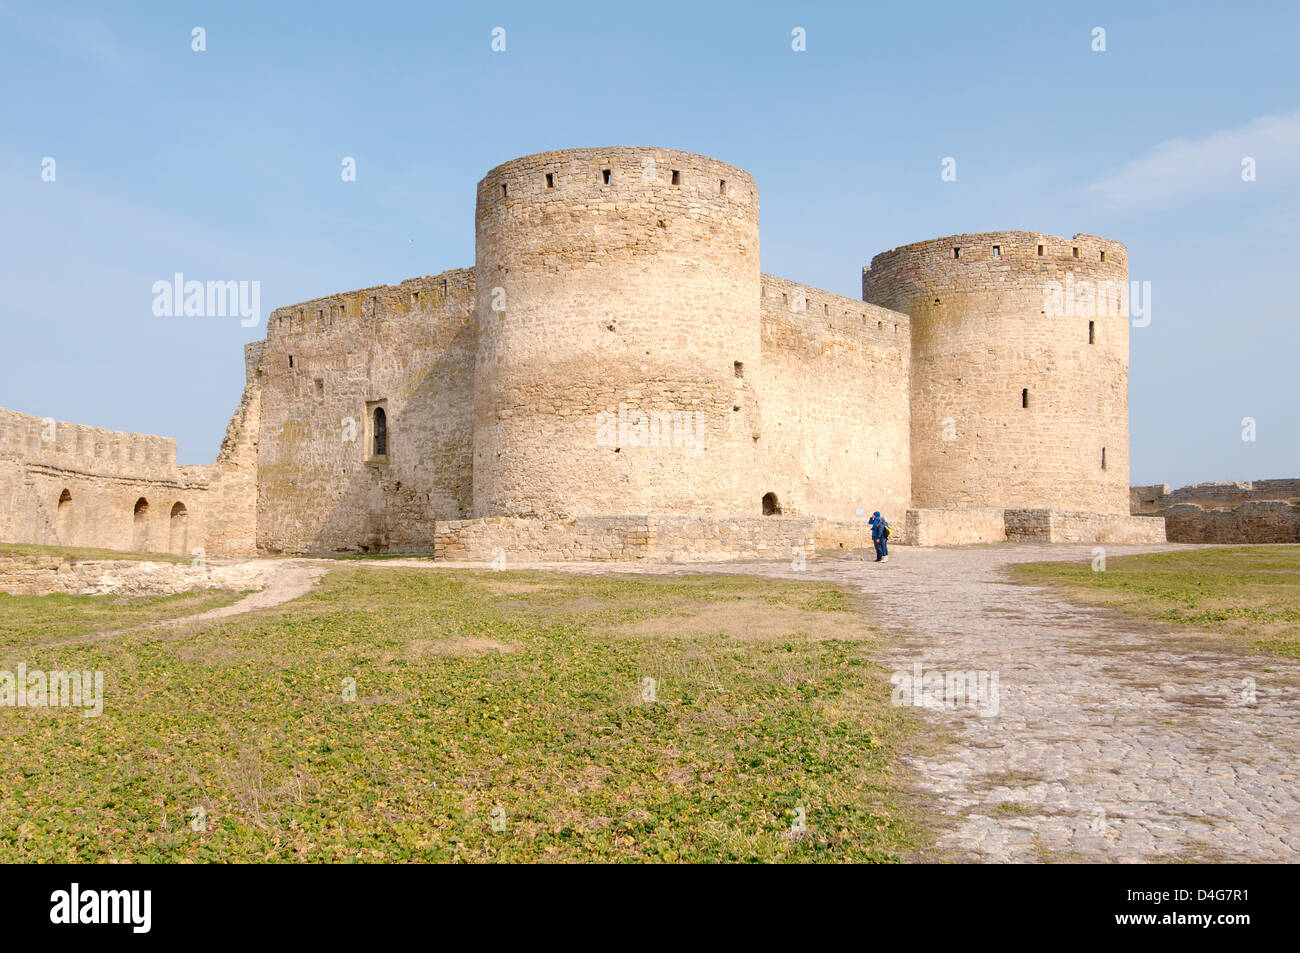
column 289, row 580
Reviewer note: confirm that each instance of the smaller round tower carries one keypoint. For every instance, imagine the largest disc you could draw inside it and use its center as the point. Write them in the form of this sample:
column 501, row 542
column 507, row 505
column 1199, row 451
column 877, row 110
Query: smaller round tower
column 1019, row 368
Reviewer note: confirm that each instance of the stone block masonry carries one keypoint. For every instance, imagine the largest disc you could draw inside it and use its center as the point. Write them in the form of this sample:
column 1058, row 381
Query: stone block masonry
column 615, row 378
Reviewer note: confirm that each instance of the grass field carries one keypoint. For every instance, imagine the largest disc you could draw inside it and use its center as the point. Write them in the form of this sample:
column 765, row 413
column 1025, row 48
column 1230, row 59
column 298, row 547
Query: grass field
column 513, row 700
column 1250, row 594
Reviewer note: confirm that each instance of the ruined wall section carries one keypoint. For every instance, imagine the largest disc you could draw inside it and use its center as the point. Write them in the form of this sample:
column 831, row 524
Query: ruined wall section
column 619, row 359
column 327, row 364
column 231, row 515
column 1217, row 495
column 64, row 484
column 836, row 403
column 1013, row 405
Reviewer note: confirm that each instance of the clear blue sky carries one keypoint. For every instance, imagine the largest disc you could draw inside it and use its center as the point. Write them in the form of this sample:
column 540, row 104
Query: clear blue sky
column 225, row 164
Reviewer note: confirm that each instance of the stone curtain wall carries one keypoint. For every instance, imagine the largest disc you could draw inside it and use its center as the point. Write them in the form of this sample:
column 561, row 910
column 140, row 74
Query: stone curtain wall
column 835, row 436
column 100, row 476
column 980, row 339
column 326, row 364
column 635, row 291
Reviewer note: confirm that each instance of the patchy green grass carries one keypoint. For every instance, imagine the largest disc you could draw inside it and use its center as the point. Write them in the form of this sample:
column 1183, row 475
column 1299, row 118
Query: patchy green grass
column 33, row 620
column 516, row 693
column 1250, row 593
column 81, row 553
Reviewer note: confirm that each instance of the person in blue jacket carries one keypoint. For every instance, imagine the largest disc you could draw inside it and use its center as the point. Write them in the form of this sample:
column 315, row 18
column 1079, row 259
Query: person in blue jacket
column 880, row 536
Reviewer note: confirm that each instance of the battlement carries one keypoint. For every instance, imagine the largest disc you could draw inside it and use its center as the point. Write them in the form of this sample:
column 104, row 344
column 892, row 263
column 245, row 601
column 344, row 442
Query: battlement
column 363, row 306
column 613, row 175
column 43, row 441
column 791, row 301
column 944, row 271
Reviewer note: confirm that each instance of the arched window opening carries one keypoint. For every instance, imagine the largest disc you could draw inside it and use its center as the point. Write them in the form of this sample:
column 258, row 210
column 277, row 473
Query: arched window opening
column 771, row 505
column 381, row 432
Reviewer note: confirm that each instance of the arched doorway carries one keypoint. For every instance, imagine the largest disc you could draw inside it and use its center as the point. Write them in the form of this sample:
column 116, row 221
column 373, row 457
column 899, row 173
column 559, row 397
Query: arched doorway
column 178, row 529
column 63, row 518
column 140, row 539
column 771, row 505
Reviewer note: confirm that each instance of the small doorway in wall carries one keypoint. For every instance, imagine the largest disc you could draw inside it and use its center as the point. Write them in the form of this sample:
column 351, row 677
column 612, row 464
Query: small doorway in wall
column 140, row 536
column 63, row 518
column 178, row 530
column 771, row 505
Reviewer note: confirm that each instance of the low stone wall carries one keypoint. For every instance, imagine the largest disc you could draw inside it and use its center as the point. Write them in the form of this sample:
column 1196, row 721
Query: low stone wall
column 1057, row 526
column 624, row 538
column 952, row 527
column 1248, row 523
column 42, row 575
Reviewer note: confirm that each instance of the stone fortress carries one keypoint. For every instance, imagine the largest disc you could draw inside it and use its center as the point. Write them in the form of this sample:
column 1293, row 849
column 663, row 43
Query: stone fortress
column 615, row 378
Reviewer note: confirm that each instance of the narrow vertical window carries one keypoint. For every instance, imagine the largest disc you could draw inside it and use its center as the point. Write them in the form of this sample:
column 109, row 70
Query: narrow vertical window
column 1024, row 397
column 677, row 177
column 1103, row 458
column 1040, row 251
column 605, row 176
column 381, row 432
column 1092, row 332
column 997, row 251
column 956, row 253
column 550, row 180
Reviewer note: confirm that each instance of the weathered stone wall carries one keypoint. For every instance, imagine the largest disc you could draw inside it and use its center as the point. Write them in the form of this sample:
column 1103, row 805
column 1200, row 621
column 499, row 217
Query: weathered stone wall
column 985, row 343
column 1254, row 522
column 326, row 366
column 69, row 485
column 616, row 283
column 1157, row 497
column 953, row 527
column 625, row 538
column 835, row 403
column 1055, row 526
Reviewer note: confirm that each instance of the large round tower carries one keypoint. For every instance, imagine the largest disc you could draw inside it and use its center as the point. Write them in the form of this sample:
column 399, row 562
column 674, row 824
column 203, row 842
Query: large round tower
column 618, row 336
column 1019, row 368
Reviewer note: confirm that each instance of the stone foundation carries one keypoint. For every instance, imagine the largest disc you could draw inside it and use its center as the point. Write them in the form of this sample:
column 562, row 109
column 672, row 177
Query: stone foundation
column 625, row 539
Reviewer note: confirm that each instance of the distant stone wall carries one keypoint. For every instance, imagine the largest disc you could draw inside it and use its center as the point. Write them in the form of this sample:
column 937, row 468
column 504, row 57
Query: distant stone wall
column 1255, row 522
column 63, row 484
column 624, row 538
column 1157, row 497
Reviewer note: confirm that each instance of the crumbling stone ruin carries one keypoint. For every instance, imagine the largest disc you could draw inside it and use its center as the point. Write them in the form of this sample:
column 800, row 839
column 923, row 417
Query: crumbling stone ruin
column 615, row 378
column 1262, row 511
